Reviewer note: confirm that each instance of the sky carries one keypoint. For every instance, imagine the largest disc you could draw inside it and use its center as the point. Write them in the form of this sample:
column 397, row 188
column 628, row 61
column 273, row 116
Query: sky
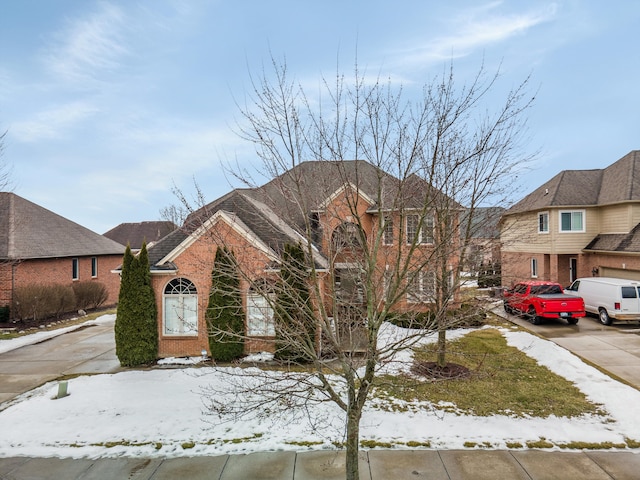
column 115, row 408
column 109, row 105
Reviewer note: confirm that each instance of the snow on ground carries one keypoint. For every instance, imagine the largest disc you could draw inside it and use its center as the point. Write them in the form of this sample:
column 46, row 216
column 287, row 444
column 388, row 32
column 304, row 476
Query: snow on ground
column 162, row 413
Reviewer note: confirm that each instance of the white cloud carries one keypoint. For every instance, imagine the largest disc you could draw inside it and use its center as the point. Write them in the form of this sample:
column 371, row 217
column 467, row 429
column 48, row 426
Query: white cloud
column 52, row 123
column 475, row 29
column 89, row 46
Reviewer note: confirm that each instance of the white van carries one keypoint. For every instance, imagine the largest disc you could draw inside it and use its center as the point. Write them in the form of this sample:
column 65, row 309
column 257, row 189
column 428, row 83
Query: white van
column 609, row 298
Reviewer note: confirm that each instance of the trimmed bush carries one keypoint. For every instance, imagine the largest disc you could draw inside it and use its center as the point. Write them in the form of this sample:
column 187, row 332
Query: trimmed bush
column 5, row 313
column 90, row 294
column 294, row 317
column 225, row 316
column 136, row 328
column 40, row 301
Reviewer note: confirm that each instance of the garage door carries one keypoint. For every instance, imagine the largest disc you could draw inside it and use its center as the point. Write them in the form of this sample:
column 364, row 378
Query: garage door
column 620, row 273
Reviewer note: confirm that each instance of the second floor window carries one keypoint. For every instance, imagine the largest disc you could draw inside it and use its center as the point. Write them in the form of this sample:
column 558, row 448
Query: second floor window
column 416, row 234
column 387, row 235
column 543, row 222
column 572, row 221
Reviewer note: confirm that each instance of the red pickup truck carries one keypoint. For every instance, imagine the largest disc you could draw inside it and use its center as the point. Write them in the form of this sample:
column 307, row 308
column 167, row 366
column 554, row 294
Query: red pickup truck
column 537, row 300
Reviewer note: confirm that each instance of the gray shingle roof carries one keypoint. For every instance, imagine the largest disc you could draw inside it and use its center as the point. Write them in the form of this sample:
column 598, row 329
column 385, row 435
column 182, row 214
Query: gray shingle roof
column 619, row 182
column 29, row 231
column 616, row 242
column 276, row 211
column 135, row 234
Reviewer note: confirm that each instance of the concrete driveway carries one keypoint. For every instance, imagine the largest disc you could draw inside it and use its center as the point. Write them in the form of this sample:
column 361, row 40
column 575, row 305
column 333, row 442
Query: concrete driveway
column 90, row 349
column 615, row 348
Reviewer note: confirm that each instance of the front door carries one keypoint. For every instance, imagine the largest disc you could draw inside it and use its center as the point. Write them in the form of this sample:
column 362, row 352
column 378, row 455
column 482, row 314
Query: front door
column 573, row 269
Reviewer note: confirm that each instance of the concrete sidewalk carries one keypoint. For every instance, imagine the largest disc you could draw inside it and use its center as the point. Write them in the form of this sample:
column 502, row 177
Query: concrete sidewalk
column 327, row 465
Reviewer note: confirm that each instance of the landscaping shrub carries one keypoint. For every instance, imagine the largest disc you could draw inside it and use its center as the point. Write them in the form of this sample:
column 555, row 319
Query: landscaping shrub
column 490, row 275
column 466, row 316
column 90, row 294
column 136, row 328
column 225, row 316
column 40, row 301
column 5, row 314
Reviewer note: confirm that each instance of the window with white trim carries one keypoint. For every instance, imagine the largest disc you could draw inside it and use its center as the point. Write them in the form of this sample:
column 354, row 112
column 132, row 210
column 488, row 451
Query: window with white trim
column 422, row 287
column 180, row 302
column 425, row 232
column 75, row 269
column 572, row 221
column 387, row 233
column 543, row 222
column 94, row 267
column 534, row 268
column 259, row 315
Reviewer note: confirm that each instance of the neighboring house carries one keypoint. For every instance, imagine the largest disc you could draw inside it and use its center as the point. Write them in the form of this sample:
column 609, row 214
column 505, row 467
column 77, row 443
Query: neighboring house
column 580, row 223
column 38, row 246
column 135, row 234
column 256, row 224
column 484, row 238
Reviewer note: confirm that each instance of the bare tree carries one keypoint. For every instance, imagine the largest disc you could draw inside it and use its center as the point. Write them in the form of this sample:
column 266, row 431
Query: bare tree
column 5, row 170
column 378, row 214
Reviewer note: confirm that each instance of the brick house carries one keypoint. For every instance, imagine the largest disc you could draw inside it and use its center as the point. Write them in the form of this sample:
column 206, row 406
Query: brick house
column 580, row 223
column 256, row 223
column 38, row 246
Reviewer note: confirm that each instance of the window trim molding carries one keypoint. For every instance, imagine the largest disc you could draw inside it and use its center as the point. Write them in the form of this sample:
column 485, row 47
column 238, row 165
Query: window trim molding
column 75, row 269
column 428, row 221
column 584, row 220
column 165, row 296
column 540, row 214
column 94, row 267
column 534, row 267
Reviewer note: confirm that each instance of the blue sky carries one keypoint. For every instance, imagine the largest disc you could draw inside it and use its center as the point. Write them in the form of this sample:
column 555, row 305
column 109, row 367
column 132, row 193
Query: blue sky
column 108, row 104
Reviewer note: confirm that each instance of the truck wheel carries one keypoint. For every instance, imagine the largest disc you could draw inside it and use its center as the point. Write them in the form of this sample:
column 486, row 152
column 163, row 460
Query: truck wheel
column 532, row 317
column 605, row 319
column 572, row 321
column 507, row 308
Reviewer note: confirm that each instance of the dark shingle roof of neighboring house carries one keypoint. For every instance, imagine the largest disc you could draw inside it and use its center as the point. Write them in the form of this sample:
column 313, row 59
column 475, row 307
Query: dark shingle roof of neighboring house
column 135, row 234
column 619, row 182
column 28, row 231
column 484, row 222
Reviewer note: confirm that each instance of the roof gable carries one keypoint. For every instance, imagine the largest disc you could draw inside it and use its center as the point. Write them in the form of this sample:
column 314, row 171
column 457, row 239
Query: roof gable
column 29, row 231
column 619, row 182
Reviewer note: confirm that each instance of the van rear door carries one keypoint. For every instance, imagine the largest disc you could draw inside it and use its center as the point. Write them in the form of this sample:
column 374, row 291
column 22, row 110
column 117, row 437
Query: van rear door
column 630, row 299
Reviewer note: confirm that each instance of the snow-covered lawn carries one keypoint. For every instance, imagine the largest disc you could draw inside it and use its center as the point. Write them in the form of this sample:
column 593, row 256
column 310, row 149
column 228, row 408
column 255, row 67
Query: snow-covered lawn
column 161, row 413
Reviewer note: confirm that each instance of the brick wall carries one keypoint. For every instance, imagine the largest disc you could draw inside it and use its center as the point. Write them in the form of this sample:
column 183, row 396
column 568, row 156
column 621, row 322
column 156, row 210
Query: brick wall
column 59, row 271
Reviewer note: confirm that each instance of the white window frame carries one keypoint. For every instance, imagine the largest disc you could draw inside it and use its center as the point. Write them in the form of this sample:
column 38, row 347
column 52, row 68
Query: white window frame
column 583, row 217
column 75, row 269
column 544, row 215
column 94, row 267
column 182, row 303
column 260, row 321
column 418, row 290
column 534, row 268
column 387, row 230
column 427, row 224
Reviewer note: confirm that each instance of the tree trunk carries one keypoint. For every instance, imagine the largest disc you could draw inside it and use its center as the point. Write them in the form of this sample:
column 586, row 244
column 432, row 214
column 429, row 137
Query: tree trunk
column 442, row 343
column 353, row 442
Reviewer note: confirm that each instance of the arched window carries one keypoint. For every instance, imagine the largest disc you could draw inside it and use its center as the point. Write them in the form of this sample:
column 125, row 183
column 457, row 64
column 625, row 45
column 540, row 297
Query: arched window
column 180, row 301
column 347, row 235
column 260, row 321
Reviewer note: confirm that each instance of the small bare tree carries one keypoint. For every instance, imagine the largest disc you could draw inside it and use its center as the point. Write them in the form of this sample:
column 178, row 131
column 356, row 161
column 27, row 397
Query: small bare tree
column 378, row 215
